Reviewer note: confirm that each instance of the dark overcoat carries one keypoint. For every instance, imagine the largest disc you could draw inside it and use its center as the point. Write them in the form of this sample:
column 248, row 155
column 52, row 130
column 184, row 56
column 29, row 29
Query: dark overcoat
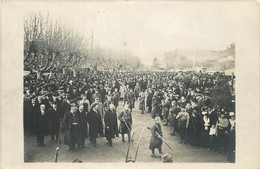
column 109, row 124
column 155, row 107
column 70, row 130
column 93, row 121
column 115, row 98
column 41, row 122
column 83, row 131
column 54, row 120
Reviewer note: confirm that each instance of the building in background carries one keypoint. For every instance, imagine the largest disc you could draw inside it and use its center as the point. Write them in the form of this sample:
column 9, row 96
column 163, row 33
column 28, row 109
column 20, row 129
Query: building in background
column 202, row 60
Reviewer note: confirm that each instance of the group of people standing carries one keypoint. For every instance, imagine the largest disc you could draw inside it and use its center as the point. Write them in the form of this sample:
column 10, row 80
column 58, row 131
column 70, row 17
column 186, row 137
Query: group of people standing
column 194, row 115
column 85, row 106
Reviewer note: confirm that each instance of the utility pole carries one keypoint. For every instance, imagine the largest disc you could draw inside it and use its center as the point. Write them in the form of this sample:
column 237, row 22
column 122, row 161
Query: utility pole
column 125, row 54
column 92, row 37
column 194, row 58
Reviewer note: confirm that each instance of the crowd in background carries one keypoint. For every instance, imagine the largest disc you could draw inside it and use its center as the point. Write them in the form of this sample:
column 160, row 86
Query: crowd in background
column 198, row 106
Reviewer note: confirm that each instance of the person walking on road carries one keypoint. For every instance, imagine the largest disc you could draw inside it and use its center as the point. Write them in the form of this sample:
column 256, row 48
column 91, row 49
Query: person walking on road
column 110, row 131
column 94, row 121
column 156, row 141
column 125, row 118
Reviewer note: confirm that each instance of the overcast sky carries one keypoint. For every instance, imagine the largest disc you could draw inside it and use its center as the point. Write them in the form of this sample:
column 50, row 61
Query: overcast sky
column 152, row 29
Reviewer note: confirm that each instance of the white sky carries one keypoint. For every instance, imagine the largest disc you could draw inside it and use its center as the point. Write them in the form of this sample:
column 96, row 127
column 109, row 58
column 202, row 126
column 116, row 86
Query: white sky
column 151, row 29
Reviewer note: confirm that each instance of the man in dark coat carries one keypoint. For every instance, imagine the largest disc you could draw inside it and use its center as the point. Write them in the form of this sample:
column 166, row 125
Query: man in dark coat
column 115, row 97
column 72, row 126
column 74, row 94
column 195, row 127
column 156, row 141
column 131, row 99
column 27, row 114
column 54, row 116
column 83, row 133
column 33, row 111
column 110, row 130
column 41, row 120
column 93, row 121
column 114, row 113
column 155, row 105
column 149, row 100
column 64, row 106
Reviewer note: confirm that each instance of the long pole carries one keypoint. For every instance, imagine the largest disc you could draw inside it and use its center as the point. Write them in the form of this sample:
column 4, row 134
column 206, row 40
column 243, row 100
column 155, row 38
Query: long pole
column 160, row 137
column 131, row 136
column 136, row 152
column 57, row 148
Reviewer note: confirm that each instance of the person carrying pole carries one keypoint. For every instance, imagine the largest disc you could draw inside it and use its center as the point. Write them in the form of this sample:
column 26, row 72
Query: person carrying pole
column 156, row 138
column 125, row 118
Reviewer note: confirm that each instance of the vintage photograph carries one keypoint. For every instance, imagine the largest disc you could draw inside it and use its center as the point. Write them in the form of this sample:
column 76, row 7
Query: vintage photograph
column 129, row 83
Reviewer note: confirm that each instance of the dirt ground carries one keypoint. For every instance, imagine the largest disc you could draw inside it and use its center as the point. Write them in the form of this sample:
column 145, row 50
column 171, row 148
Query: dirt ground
column 117, row 153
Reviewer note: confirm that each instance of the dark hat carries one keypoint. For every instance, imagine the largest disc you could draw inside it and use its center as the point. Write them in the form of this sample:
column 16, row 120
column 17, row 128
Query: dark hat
column 222, row 112
column 94, row 104
column 73, row 101
column 54, row 102
column 55, row 94
column 205, row 108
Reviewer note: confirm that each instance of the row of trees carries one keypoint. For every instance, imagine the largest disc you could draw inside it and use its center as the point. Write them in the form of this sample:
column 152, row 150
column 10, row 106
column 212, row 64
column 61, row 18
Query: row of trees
column 109, row 59
column 51, row 46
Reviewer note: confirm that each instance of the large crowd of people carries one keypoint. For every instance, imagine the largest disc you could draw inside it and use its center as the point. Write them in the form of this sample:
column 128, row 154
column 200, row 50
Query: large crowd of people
column 85, row 106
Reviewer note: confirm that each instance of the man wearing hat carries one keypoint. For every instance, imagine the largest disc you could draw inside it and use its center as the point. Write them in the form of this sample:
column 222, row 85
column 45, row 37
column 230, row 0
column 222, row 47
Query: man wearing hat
column 183, row 122
column 231, row 146
column 222, row 128
column 74, row 94
column 125, row 118
column 54, row 120
column 41, row 120
column 94, row 120
column 83, row 134
column 115, row 97
column 110, row 130
column 155, row 105
column 130, row 98
column 149, row 100
column 72, row 126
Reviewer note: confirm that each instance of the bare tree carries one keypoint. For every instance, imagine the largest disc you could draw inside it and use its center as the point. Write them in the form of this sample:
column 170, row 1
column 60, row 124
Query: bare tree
column 49, row 45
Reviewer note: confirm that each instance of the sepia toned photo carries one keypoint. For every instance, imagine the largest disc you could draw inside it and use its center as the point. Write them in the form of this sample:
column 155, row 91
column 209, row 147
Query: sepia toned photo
column 129, row 84
column 97, row 89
